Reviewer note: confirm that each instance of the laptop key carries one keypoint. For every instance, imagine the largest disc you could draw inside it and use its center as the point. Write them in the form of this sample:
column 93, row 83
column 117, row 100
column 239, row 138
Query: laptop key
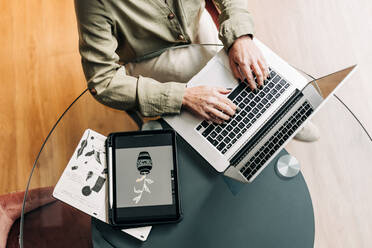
column 229, row 128
column 208, row 130
column 234, row 141
column 244, row 93
column 219, row 137
column 252, row 104
column 241, row 125
column 224, row 151
column 255, row 111
column 276, row 79
column 246, row 100
column 245, row 120
column 227, row 140
column 243, row 113
column 272, row 74
column 241, row 105
column 213, row 134
column 236, row 130
column 236, row 91
column 250, row 96
column 257, row 99
column 248, row 108
column 204, row 124
column 218, row 129
column 238, row 118
column 260, row 106
column 221, row 146
column 224, row 133
column 234, row 123
column 232, row 135
column 199, row 127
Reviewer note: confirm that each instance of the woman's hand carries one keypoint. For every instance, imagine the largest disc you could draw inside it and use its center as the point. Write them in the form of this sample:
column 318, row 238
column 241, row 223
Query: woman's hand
column 245, row 58
column 209, row 103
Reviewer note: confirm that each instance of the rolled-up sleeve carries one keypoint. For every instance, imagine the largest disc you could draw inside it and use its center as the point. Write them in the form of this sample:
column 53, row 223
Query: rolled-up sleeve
column 107, row 79
column 234, row 19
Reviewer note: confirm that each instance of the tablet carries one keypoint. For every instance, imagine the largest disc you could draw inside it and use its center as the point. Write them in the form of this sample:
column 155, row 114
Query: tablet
column 143, row 181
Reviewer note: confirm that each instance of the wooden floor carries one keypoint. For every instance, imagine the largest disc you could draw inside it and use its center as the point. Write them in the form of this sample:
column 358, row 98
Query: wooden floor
column 40, row 74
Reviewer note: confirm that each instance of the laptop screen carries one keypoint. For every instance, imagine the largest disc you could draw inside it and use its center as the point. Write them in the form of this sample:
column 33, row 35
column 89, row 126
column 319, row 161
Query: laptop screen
column 328, row 84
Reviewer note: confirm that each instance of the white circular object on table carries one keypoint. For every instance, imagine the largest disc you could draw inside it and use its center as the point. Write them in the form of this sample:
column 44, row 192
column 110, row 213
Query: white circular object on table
column 287, row 166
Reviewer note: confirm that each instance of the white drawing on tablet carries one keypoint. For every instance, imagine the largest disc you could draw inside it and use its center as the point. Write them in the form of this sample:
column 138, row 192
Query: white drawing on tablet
column 144, row 166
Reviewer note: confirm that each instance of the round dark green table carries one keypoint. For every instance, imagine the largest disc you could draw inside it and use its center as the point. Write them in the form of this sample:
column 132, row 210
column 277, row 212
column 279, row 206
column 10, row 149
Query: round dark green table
column 219, row 212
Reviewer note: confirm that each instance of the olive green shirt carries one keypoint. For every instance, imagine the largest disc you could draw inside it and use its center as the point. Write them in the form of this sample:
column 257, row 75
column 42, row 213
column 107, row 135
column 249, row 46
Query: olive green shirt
column 114, row 32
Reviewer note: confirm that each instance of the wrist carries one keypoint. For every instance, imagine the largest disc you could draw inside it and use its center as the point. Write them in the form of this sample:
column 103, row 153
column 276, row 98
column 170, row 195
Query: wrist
column 185, row 97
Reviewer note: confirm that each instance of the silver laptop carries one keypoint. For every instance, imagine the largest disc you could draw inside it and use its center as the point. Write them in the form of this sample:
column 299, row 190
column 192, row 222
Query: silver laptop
column 242, row 147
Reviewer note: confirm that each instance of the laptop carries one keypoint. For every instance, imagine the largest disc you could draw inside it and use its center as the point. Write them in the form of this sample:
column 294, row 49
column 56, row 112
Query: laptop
column 243, row 146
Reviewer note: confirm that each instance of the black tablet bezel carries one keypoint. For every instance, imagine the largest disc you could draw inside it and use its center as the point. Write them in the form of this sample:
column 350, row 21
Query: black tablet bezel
column 139, row 216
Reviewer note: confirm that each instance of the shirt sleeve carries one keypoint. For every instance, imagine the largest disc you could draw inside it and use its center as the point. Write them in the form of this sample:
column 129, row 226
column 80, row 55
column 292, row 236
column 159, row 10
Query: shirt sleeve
column 234, row 19
column 107, row 79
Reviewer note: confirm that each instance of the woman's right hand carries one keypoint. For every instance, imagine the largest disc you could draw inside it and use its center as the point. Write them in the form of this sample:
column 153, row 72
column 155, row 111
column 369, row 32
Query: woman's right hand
column 209, row 103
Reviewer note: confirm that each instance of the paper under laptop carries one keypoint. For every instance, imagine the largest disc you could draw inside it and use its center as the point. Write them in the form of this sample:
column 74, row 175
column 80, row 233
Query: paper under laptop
column 83, row 182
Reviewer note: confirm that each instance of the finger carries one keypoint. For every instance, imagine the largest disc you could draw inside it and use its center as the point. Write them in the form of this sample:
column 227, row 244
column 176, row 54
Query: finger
column 223, row 90
column 216, row 120
column 235, row 70
column 224, row 108
column 217, row 113
column 246, row 71
column 259, row 75
column 264, row 67
column 228, row 102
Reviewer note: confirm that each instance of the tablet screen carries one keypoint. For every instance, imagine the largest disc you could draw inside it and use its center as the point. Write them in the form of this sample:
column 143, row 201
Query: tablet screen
column 144, row 177
column 144, row 174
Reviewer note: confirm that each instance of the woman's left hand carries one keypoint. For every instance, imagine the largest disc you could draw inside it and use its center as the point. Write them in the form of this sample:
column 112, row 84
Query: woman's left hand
column 246, row 59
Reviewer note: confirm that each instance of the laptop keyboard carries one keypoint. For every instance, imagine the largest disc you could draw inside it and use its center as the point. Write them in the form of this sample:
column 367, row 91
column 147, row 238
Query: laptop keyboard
column 252, row 105
column 276, row 140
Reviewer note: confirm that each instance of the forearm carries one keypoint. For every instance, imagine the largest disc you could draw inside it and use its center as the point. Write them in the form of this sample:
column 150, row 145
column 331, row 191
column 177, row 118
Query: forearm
column 148, row 96
column 235, row 21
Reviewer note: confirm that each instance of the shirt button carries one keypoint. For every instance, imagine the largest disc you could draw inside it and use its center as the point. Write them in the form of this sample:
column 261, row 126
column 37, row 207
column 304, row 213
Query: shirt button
column 181, row 37
column 170, row 16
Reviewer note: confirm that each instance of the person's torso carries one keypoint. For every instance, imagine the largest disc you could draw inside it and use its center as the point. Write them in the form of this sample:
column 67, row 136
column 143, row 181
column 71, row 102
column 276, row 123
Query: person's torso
column 143, row 27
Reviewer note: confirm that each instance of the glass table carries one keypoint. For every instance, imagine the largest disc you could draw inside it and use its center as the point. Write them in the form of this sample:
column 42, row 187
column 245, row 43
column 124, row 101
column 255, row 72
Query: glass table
column 269, row 211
